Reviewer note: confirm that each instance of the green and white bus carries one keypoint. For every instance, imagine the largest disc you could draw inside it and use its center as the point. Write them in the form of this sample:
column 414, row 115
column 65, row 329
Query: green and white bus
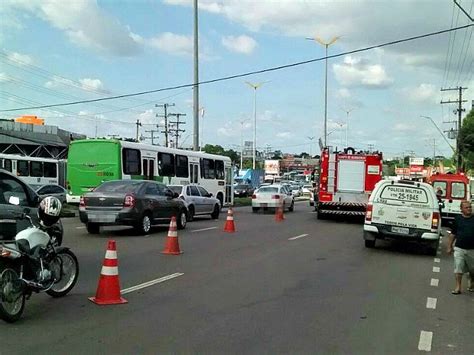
column 93, row 161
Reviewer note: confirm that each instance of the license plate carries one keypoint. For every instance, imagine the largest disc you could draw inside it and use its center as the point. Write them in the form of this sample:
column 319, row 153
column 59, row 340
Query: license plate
column 400, row 230
column 106, row 218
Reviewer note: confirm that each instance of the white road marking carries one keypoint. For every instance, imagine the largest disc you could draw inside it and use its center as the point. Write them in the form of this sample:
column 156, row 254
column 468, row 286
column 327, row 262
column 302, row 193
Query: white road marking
column 298, row 237
column 436, row 269
column 151, row 283
column 437, row 260
column 425, row 341
column 82, row 227
column 435, row 282
column 204, row 229
column 431, row 303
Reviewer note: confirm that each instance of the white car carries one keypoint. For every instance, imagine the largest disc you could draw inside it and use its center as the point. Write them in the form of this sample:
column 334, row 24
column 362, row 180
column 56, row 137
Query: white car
column 273, row 196
column 307, row 190
column 403, row 210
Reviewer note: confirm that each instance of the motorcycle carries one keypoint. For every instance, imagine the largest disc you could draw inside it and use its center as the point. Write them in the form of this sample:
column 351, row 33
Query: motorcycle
column 33, row 262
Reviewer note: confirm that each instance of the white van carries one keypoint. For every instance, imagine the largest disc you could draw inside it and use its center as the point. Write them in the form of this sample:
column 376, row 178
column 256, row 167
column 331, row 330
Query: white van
column 403, row 210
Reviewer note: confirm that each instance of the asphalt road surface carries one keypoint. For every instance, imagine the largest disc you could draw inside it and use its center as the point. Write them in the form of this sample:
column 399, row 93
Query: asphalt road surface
column 300, row 286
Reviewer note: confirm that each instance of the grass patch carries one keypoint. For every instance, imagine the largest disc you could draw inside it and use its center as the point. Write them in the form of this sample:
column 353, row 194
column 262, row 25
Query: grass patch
column 242, row 201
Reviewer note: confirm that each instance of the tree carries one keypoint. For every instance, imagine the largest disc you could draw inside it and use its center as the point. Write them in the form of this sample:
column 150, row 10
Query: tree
column 466, row 141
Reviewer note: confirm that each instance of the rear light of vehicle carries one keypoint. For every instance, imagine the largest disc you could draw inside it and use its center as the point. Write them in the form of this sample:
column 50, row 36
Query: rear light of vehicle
column 368, row 213
column 275, row 197
column 82, row 202
column 129, row 201
column 435, row 220
column 254, row 196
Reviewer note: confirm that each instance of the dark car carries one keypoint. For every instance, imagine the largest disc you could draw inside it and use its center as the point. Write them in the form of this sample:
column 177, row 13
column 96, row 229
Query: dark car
column 243, row 190
column 198, row 200
column 52, row 190
column 10, row 223
column 137, row 203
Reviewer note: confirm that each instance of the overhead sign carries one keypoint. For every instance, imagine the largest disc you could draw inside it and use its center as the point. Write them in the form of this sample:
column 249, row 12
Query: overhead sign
column 417, row 161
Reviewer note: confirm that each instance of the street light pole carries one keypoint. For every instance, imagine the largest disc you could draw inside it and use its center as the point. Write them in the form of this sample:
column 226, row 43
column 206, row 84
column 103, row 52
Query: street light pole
column 326, row 45
column 242, row 143
column 429, row 118
column 254, row 87
column 196, row 81
column 347, row 124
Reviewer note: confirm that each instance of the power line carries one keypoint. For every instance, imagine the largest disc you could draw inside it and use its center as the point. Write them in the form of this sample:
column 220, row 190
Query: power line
column 286, row 66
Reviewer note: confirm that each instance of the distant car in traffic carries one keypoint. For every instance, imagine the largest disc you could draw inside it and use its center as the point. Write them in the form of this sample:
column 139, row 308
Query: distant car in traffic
column 273, row 196
column 243, row 190
column 137, row 203
column 53, row 190
column 198, row 200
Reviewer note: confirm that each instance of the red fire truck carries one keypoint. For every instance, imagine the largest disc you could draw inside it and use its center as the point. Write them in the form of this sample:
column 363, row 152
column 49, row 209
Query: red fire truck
column 454, row 188
column 346, row 180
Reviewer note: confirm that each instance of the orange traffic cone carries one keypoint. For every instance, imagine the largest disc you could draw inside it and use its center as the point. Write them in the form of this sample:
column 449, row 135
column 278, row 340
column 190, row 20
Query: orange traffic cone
column 229, row 225
column 172, row 244
column 279, row 216
column 108, row 290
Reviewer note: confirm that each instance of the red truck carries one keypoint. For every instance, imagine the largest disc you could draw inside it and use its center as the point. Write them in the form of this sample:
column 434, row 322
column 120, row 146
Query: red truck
column 346, row 180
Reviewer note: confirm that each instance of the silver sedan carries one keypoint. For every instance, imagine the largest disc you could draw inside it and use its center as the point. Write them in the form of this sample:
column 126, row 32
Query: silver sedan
column 199, row 201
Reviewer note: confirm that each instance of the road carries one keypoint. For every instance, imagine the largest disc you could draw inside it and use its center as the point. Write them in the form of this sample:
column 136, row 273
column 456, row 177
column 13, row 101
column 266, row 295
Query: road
column 297, row 286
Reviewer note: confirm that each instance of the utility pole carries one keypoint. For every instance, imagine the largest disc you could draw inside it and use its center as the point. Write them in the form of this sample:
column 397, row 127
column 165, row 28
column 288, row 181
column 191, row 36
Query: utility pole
column 176, row 130
column 152, row 131
column 196, row 81
column 459, row 111
column 138, row 123
column 165, row 116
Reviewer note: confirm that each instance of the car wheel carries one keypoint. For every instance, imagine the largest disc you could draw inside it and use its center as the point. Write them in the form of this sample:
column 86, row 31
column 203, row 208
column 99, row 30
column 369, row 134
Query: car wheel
column 215, row 213
column 144, row 224
column 191, row 214
column 369, row 243
column 292, row 206
column 93, row 228
column 181, row 222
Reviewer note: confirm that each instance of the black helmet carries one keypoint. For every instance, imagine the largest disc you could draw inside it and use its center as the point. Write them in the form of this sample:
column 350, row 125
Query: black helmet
column 49, row 210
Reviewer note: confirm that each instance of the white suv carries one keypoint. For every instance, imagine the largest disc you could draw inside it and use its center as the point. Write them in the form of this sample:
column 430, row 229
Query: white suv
column 403, row 210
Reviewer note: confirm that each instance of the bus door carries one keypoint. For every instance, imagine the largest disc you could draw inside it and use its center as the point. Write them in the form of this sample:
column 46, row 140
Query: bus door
column 229, row 194
column 193, row 173
column 148, row 168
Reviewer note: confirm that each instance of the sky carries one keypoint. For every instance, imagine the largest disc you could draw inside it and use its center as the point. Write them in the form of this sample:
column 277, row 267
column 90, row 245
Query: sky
column 54, row 51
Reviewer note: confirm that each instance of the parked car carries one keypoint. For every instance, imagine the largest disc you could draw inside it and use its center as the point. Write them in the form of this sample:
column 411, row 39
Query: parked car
column 198, row 200
column 137, row 203
column 52, row 190
column 273, row 196
column 10, row 223
column 295, row 190
column 243, row 190
column 403, row 210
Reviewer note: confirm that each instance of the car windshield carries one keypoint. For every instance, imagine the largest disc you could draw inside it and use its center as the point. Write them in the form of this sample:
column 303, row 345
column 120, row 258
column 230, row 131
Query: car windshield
column 176, row 189
column 268, row 190
column 241, row 186
column 119, row 186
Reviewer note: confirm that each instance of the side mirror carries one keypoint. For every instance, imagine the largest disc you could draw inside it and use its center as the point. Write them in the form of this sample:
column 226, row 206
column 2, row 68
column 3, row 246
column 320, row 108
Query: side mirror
column 14, row 200
column 175, row 195
column 209, row 194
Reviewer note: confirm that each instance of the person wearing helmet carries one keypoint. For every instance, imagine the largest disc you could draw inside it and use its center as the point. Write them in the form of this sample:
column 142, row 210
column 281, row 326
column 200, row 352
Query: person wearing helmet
column 49, row 210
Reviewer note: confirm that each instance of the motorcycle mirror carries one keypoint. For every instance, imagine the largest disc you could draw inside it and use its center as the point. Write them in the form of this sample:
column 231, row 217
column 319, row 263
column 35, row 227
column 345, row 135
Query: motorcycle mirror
column 14, row 200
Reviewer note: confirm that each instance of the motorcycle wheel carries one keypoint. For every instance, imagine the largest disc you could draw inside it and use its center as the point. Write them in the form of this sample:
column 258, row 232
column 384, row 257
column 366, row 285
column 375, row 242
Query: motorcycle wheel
column 65, row 269
column 12, row 298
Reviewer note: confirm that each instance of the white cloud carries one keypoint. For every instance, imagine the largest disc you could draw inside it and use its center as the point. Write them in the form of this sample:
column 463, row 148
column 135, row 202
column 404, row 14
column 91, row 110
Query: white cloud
column 359, row 72
column 147, row 117
column 20, row 59
column 404, row 127
column 284, row 135
column 4, row 78
column 240, row 44
column 84, row 23
column 173, row 43
column 91, row 84
column 58, row 82
column 422, row 93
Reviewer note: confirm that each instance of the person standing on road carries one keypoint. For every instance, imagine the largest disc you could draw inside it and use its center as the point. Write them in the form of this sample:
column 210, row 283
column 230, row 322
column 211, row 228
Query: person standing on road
column 462, row 233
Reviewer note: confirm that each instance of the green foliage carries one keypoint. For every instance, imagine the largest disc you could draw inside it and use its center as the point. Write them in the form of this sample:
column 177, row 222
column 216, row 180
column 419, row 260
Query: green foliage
column 218, row 150
column 466, row 137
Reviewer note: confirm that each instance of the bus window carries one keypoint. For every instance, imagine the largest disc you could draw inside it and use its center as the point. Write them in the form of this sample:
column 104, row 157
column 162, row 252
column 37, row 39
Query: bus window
column 207, row 169
column 7, row 165
column 131, row 161
column 22, row 168
column 36, row 168
column 165, row 164
column 182, row 166
column 219, row 169
column 50, row 170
